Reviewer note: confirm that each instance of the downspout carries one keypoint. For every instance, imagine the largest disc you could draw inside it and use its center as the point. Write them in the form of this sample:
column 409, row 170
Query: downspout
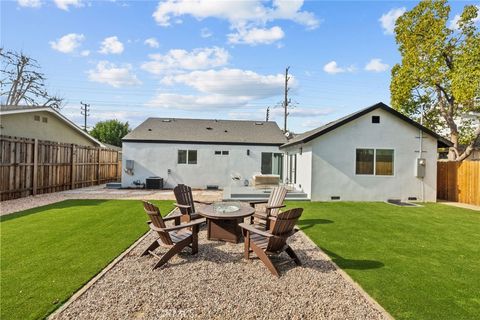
column 420, row 155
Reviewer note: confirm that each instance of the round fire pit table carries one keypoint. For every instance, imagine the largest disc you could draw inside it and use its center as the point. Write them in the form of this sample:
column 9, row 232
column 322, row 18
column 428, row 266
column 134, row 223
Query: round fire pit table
column 223, row 219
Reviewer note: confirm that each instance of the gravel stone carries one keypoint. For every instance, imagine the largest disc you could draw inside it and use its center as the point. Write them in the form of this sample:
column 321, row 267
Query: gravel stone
column 217, row 283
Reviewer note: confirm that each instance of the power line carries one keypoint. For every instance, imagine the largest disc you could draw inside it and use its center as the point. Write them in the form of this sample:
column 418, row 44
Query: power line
column 85, row 111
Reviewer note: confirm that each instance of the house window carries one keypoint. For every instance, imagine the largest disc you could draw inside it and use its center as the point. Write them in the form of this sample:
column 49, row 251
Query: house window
column 364, row 161
column 272, row 163
column 192, row 156
column 36, row 118
column 182, row 156
column 384, row 162
column 44, row 119
column 225, row 153
column 375, row 119
column 292, row 168
column 187, row 156
column 374, row 161
column 218, row 152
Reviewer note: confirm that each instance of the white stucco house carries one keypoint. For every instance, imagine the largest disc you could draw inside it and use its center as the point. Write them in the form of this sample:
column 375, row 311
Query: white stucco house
column 370, row 155
column 200, row 152
column 374, row 154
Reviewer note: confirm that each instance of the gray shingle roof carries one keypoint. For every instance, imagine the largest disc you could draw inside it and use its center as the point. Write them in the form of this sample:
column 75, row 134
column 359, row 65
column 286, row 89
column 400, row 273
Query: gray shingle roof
column 312, row 134
column 175, row 130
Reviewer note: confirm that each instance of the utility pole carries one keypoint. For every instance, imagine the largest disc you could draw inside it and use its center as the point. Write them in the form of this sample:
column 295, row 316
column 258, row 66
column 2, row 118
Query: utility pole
column 85, row 111
column 286, row 101
column 268, row 114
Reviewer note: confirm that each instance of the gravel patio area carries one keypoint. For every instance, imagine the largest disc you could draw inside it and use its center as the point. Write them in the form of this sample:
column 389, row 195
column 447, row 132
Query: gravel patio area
column 218, row 284
column 99, row 192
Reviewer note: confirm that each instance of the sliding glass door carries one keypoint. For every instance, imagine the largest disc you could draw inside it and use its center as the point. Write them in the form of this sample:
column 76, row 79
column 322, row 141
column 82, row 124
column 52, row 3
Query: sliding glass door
column 272, row 163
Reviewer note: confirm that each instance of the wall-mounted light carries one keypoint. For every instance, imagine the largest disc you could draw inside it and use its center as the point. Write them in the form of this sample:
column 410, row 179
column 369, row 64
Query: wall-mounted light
column 248, row 152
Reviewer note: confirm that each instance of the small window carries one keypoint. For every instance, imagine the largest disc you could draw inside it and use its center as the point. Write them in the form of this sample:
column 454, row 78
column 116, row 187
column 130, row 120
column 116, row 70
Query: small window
column 225, row 153
column 364, row 161
column 44, row 119
column 375, row 119
column 192, row 156
column 182, row 156
column 36, row 118
column 218, row 152
column 384, row 162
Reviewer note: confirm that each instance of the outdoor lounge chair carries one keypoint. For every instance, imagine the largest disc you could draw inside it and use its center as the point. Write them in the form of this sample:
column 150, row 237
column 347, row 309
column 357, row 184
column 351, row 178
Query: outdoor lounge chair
column 272, row 208
column 175, row 238
column 273, row 241
column 185, row 203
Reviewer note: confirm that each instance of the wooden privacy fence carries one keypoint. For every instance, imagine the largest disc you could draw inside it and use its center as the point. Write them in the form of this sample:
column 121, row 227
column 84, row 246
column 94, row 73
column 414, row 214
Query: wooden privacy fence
column 459, row 182
column 32, row 166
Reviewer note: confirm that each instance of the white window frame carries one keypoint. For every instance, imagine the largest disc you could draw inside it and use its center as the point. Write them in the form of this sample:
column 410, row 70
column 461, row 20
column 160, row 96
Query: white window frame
column 374, row 174
column 187, row 156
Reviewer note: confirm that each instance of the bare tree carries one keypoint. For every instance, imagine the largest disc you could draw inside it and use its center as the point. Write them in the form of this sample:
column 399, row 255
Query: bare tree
column 22, row 82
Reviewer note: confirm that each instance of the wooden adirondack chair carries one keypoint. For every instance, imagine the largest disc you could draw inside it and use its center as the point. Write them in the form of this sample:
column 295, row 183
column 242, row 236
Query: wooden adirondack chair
column 274, row 204
column 273, row 241
column 175, row 238
column 185, row 202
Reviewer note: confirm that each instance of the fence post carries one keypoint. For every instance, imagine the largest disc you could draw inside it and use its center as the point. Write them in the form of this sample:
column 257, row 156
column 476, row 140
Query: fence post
column 35, row 167
column 98, row 166
column 73, row 168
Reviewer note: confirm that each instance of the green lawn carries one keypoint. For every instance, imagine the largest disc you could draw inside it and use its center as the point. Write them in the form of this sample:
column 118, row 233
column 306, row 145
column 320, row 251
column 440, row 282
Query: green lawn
column 48, row 253
column 418, row 263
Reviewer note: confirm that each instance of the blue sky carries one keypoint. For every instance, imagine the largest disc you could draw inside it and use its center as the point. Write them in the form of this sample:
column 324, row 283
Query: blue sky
column 209, row 59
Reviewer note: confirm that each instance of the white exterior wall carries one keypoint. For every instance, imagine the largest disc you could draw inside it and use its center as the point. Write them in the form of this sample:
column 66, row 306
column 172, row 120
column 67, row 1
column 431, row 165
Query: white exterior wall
column 154, row 159
column 333, row 161
column 304, row 167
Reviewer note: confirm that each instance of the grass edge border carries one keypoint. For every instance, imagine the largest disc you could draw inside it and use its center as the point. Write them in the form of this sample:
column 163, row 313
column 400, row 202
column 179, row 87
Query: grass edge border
column 349, row 279
column 97, row 277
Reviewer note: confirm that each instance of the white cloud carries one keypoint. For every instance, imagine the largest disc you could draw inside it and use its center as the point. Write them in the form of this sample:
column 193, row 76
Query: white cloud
column 254, row 36
column 68, row 43
column 205, row 33
column 111, row 45
column 333, row 68
column 376, row 65
column 65, row 4
column 152, row 43
column 387, row 20
column 30, row 3
column 85, row 53
column 248, row 19
column 236, row 12
column 116, row 76
column 454, row 22
column 178, row 59
column 232, row 82
column 226, row 88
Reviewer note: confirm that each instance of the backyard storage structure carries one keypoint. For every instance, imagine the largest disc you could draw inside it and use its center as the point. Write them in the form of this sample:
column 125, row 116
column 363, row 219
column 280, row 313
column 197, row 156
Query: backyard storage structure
column 370, row 155
column 201, row 153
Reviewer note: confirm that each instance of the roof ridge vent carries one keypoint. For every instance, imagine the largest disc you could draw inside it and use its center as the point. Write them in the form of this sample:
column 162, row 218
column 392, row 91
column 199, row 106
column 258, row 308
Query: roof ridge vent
column 166, row 120
column 259, row 123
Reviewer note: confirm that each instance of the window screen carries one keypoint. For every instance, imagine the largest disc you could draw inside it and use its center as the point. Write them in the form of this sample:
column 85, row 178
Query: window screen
column 364, row 161
column 182, row 156
column 192, row 156
column 384, row 162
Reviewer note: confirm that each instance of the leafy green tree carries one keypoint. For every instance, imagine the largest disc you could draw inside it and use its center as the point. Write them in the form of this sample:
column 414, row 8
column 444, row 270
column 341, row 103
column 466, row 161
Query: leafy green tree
column 439, row 75
column 110, row 131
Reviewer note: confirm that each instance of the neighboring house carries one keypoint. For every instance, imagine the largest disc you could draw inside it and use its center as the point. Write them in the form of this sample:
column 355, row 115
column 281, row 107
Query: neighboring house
column 201, row 153
column 43, row 123
column 370, row 155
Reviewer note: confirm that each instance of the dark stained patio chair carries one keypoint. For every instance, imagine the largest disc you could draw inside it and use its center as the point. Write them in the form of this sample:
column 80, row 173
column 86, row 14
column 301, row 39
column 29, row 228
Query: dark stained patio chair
column 185, row 203
column 274, row 241
column 175, row 238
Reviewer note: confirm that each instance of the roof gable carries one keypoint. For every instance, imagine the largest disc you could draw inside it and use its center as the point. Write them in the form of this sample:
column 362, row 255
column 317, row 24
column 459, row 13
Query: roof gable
column 312, row 134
